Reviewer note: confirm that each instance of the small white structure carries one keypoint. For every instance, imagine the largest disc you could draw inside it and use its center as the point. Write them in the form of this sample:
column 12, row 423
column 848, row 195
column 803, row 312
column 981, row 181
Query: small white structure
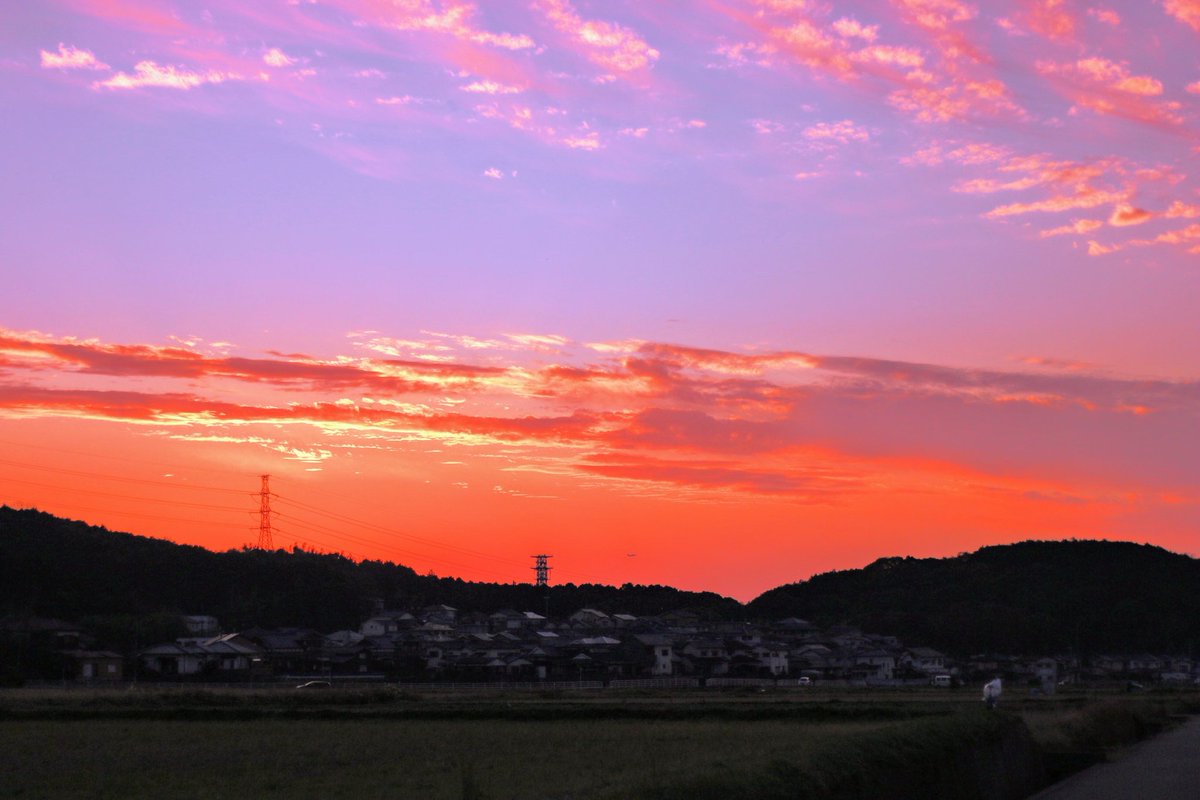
column 991, row 692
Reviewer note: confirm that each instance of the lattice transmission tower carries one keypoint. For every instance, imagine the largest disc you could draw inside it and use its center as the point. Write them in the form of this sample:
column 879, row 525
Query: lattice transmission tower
column 264, row 515
column 542, row 568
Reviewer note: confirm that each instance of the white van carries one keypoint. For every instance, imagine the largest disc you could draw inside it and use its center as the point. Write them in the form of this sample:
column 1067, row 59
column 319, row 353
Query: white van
column 942, row 681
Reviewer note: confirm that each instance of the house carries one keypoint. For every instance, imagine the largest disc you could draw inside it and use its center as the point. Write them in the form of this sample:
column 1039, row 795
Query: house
column 288, row 650
column 772, row 658
column 440, row 614
column 95, row 665
column 383, row 624
column 201, row 624
column 660, row 650
column 877, row 665
column 230, row 656
column 924, row 659
column 706, row 657
column 590, row 618
column 509, row 620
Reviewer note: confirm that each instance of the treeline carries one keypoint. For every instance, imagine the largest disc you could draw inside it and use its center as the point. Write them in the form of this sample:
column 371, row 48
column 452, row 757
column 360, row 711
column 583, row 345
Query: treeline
column 1085, row 597
column 53, row 567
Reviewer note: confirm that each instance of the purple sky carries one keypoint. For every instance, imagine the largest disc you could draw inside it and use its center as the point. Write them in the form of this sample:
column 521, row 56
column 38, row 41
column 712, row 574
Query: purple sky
column 928, row 238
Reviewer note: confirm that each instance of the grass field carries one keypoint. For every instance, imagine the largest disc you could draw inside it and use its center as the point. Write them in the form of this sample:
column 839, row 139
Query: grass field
column 391, row 745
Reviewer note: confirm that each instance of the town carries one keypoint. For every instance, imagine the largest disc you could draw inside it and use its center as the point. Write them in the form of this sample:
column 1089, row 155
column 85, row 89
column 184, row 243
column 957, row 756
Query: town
column 589, row 648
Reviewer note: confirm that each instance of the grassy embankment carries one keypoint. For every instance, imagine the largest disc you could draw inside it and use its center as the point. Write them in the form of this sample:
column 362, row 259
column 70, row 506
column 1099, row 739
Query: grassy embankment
column 396, row 745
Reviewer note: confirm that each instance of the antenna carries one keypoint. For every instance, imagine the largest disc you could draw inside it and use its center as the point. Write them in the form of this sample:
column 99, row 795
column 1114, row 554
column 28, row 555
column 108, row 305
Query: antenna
column 542, row 568
column 264, row 515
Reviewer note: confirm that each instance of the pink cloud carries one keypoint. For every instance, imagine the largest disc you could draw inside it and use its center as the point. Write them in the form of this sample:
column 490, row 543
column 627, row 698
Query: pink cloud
column 1077, row 227
column 1105, row 15
column 490, row 87
column 277, row 58
column 1049, row 18
column 1188, row 238
column 936, row 14
column 1182, row 210
column 71, row 58
column 454, row 19
column 607, row 44
column 145, row 16
column 947, row 103
column 850, row 28
column 842, row 132
column 151, row 74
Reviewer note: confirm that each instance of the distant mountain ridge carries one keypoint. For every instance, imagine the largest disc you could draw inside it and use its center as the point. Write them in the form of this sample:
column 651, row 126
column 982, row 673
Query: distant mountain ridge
column 1084, row 597
column 61, row 568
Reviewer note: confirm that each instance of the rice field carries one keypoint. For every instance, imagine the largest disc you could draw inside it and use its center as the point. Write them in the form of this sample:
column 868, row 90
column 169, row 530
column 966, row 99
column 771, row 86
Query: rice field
column 196, row 744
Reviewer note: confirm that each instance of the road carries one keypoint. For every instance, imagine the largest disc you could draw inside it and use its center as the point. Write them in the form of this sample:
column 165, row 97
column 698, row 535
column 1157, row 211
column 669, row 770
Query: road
column 1166, row 767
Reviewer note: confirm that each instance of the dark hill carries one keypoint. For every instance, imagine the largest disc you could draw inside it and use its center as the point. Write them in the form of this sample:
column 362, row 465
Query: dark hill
column 53, row 567
column 1033, row 597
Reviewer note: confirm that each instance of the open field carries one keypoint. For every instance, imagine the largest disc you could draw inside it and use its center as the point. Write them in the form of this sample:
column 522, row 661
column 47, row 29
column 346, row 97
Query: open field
column 384, row 743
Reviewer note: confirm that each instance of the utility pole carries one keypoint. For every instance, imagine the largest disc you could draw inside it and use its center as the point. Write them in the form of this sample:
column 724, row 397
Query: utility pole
column 542, row 568
column 264, row 515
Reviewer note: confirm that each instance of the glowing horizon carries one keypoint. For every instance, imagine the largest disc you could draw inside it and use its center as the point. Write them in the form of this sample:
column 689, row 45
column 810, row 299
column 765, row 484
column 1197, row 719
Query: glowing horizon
column 717, row 300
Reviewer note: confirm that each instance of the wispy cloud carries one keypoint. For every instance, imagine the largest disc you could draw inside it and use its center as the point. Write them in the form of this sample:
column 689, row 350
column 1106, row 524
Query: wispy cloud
column 607, row 44
column 71, row 58
column 150, row 74
column 781, row 422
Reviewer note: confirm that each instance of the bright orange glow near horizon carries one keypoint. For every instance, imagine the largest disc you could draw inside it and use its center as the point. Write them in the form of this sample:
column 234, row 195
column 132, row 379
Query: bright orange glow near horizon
column 629, row 462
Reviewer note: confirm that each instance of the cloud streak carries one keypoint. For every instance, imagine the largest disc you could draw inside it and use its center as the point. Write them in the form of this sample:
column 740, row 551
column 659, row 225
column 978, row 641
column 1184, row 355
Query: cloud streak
column 779, row 423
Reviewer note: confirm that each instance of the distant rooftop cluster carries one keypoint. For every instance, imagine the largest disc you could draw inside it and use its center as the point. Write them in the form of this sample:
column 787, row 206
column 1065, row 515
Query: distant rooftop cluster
column 440, row 643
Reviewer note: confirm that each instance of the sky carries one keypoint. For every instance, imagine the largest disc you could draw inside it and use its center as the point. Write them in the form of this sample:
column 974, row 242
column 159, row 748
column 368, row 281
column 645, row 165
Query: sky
column 717, row 295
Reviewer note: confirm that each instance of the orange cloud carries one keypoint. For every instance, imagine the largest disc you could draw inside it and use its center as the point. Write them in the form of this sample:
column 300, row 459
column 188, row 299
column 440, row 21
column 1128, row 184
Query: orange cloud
column 774, row 422
column 1125, row 215
column 1186, row 11
column 1107, row 87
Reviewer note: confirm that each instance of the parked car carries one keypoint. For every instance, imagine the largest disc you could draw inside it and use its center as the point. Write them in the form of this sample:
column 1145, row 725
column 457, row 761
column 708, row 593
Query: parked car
column 315, row 685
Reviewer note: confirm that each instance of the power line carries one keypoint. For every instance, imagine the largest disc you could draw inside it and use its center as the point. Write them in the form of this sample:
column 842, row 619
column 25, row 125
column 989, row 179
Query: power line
column 345, row 520
column 73, row 490
column 101, row 476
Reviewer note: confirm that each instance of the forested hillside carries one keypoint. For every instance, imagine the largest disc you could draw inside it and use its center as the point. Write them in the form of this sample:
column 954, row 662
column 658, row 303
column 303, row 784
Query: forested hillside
column 71, row 570
column 1085, row 597
column 1032, row 597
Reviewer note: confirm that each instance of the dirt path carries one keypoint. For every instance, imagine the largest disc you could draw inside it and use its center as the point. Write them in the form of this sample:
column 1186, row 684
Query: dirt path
column 1164, row 768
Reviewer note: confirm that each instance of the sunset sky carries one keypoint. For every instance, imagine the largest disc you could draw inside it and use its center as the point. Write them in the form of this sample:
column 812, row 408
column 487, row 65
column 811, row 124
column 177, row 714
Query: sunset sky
column 716, row 294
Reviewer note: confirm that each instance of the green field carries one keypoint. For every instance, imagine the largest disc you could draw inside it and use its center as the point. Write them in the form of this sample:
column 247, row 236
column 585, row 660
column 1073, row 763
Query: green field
column 395, row 745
